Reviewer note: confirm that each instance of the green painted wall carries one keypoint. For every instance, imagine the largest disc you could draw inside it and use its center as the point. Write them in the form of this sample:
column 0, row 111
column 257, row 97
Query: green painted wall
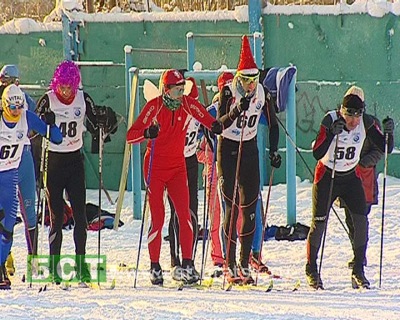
column 330, row 52
column 212, row 52
column 36, row 63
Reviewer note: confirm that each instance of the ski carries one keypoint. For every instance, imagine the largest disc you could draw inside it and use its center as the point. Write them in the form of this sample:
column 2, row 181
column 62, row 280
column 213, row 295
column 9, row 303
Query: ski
column 104, row 287
column 180, row 285
column 127, row 151
column 292, row 288
column 229, row 287
column 269, row 287
column 296, row 285
column 67, row 286
column 206, row 284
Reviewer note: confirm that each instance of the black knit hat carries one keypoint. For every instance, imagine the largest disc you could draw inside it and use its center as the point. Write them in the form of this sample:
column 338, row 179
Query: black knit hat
column 353, row 102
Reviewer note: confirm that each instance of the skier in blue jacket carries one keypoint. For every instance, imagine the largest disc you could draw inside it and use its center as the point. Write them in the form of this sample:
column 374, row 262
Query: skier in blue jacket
column 9, row 74
column 15, row 124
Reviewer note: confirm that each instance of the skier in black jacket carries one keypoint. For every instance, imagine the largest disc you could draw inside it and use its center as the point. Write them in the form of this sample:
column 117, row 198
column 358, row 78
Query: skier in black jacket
column 343, row 132
column 369, row 158
column 240, row 107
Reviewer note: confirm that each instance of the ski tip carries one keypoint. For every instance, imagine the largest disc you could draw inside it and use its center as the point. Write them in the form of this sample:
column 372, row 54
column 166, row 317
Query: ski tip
column 229, row 287
column 208, row 283
column 66, row 286
column 270, row 286
column 41, row 289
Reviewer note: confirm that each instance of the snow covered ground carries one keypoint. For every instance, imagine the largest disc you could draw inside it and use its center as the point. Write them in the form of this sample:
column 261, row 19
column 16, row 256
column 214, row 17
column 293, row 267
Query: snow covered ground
column 338, row 301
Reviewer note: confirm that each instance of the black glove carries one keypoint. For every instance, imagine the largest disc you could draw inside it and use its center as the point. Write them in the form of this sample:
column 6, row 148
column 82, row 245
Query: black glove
column 244, row 104
column 49, row 117
column 388, row 125
column 210, row 137
column 337, row 126
column 101, row 116
column 276, row 159
column 225, row 97
column 217, row 127
column 152, row 131
column 226, row 92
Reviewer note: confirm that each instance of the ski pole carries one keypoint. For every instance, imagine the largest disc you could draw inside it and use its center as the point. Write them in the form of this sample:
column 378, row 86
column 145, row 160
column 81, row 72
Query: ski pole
column 206, row 208
column 39, row 213
column 383, row 206
column 39, row 189
column 309, row 170
column 45, row 192
column 101, row 145
column 264, row 218
column 234, row 199
column 328, row 206
column 206, row 240
column 144, row 208
column 110, row 200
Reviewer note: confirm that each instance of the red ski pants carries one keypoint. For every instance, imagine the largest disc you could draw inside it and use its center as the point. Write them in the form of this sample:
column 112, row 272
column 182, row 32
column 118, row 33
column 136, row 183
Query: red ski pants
column 169, row 175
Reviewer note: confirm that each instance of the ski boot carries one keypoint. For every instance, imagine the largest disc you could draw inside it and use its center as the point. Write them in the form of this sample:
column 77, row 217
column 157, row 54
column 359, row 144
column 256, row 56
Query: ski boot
column 313, row 277
column 245, row 275
column 358, row 280
column 350, row 263
column 10, row 266
column 54, row 276
column 176, row 273
column 156, row 274
column 232, row 276
column 258, row 265
column 218, row 271
column 189, row 273
column 82, row 271
column 5, row 282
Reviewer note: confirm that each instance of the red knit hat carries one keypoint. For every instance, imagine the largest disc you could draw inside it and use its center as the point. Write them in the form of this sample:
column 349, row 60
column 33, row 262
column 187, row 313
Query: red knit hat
column 224, row 79
column 172, row 77
column 194, row 93
column 246, row 65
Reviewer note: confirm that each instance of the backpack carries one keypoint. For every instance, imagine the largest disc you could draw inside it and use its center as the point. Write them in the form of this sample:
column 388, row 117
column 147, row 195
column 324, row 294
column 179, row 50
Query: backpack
column 291, row 233
column 277, row 81
column 68, row 220
column 106, row 221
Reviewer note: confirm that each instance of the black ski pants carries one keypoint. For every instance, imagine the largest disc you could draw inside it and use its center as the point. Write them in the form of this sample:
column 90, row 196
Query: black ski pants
column 247, row 181
column 66, row 172
column 192, row 168
column 348, row 187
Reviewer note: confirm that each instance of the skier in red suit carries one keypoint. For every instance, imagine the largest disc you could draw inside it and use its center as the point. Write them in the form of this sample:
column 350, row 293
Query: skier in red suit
column 164, row 121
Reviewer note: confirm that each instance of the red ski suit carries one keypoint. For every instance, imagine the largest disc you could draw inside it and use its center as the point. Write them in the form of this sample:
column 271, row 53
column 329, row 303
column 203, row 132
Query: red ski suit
column 168, row 169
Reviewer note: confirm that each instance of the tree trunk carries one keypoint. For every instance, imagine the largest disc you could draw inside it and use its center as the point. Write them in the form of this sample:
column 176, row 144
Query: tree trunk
column 89, row 6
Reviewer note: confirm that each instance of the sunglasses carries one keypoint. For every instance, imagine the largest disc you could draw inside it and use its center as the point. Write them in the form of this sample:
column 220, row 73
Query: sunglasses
column 249, row 79
column 352, row 112
column 15, row 107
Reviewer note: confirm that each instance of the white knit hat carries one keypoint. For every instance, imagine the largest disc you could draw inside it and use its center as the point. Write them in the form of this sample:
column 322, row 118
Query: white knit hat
column 357, row 91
